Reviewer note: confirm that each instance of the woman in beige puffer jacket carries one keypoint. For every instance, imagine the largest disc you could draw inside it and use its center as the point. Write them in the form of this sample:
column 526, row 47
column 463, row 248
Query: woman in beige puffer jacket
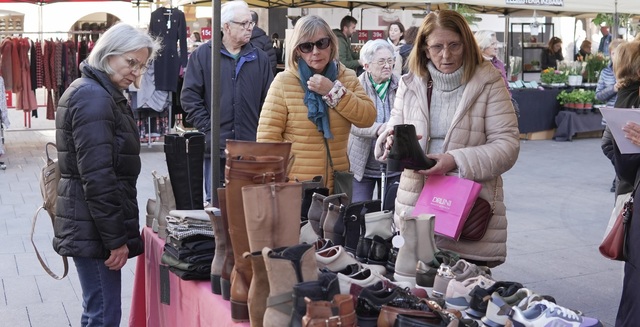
column 470, row 127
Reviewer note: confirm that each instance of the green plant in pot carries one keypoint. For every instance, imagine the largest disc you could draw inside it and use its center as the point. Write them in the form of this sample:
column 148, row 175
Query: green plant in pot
column 595, row 64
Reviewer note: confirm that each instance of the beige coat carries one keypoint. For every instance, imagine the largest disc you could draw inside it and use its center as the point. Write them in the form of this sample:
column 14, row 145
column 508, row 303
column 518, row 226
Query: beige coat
column 484, row 141
column 284, row 119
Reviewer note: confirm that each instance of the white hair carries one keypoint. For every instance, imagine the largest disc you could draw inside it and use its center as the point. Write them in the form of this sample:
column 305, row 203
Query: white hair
column 119, row 39
column 484, row 38
column 228, row 10
column 370, row 48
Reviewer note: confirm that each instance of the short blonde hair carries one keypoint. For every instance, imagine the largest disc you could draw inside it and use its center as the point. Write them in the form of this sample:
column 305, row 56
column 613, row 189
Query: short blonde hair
column 626, row 62
column 452, row 21
column 305, row 29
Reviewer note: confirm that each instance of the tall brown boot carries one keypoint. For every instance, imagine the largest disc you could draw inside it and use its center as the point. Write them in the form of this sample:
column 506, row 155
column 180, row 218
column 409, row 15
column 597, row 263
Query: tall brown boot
column 228, row 259
column 247, row 163
column 286, row 267
column 217, row 265
column 272, row 217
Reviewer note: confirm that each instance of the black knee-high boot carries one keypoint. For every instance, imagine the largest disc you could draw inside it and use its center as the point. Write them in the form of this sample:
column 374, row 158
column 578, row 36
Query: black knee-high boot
column 185, row 156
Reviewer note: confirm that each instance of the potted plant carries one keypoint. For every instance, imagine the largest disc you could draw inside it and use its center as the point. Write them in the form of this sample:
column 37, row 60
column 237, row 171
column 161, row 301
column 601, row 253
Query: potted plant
column 575, row 73
column 589, row 98
column 594, row 64
column 515, row 67
column 535, row 64
column 554, row 77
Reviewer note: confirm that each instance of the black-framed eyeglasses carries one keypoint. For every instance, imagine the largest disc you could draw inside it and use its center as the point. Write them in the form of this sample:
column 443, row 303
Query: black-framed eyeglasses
column 135, row 65
column 245, row 25
column 308, row 46
column 453, row 47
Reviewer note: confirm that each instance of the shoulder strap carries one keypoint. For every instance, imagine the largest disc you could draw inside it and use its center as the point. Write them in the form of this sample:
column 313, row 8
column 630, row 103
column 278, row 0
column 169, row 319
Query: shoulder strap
column 35, row 248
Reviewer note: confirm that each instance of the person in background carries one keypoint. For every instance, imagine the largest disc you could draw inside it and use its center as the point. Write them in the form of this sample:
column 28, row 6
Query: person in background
column 605, row 41
column 316, row 99
column 405, row 49
column 97, row 219
column 585, row 50
column 552, row 54
column 346, row 55
column 260, row 40
column 607, row 91
column 395, row 36
column 468, row 126
column 380, row 83
column 245, row 76
column 278, row 47
column 488, row 44
column 194, row 41
column 626, row 65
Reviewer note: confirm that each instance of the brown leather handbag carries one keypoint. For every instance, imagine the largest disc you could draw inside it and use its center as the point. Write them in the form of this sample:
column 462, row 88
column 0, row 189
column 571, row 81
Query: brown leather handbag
column 389, row 314
column 477, row 223
column 614, row 245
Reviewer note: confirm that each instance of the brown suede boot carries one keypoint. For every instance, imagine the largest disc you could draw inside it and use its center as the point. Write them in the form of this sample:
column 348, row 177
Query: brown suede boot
column 247, row 163
column 215, row 215
column 272, row 217
column 286, row 267
column 227, row 259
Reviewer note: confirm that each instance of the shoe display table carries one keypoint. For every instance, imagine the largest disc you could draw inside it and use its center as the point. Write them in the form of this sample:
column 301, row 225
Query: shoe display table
column 191, row 303
column 577, row 121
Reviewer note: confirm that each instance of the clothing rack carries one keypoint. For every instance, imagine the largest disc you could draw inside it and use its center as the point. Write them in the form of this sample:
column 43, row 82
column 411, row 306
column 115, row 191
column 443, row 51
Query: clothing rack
column 23, row 34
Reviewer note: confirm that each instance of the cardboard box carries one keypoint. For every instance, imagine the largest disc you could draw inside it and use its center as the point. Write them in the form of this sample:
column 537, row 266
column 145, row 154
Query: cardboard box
column 541, row 135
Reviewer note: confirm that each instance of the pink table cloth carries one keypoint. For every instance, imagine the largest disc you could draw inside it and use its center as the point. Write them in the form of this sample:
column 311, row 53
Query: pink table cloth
column 192, row 303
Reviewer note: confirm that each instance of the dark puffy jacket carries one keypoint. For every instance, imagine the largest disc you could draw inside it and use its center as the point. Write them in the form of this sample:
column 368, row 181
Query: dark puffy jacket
column 243, row 88
column 99, row 158
column 260, row 40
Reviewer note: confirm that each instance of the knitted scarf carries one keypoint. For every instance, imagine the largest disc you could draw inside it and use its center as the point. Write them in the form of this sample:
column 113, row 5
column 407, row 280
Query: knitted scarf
column 381, row 88
column 318, row 109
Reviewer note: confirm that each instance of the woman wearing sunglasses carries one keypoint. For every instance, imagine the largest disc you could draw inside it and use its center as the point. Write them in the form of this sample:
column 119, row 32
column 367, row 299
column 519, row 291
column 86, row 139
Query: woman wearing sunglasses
column 468, row 126
column 314, row 102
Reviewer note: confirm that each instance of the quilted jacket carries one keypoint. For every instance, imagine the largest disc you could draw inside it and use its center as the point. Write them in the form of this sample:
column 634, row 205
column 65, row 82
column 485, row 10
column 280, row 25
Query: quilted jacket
column 484, row 141
column 99, row 160
column 284, row 119
column 360, row 139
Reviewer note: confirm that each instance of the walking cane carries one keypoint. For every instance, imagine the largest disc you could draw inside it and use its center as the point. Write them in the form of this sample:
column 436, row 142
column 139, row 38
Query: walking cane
column 383, row 184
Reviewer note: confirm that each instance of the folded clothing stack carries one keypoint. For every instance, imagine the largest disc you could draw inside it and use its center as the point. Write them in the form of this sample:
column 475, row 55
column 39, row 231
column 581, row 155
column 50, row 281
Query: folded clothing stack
column 190, row 244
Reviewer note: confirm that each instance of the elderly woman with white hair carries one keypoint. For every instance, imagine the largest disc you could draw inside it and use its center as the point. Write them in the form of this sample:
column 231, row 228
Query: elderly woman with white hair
column 380, row 83
column 488, row 44
column 97, row 222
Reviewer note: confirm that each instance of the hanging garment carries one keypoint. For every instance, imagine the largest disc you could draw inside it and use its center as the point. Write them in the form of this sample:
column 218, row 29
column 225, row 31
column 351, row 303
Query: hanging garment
column 39, row 65
column 169, row 24
column 26, row 96
column 6, row 51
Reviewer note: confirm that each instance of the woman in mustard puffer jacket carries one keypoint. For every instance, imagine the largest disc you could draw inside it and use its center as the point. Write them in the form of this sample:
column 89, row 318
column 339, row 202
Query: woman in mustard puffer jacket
column 316, row 97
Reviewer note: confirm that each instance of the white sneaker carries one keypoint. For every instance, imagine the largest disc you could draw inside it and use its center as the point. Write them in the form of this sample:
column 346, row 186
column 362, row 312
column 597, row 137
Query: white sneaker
column 499, row 307
column 365, row 277
column 545, row 313
column 336, row 258
column 457, row 295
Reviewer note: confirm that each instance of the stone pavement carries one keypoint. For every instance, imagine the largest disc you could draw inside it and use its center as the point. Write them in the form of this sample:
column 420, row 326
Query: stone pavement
column 557, row 197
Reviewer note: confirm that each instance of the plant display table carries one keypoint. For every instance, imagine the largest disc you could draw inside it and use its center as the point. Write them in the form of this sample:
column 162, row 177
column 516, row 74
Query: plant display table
column 577, row 121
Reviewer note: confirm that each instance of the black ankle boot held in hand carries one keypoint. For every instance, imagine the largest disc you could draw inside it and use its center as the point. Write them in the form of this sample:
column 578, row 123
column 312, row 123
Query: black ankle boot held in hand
column 406, row 152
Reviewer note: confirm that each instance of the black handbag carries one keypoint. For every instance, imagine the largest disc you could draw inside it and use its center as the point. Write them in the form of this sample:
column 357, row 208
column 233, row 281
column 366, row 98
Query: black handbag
column 342, row 180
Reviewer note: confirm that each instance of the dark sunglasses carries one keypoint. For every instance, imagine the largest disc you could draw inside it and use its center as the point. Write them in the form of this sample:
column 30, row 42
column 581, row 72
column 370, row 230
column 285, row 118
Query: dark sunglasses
column 308, row 46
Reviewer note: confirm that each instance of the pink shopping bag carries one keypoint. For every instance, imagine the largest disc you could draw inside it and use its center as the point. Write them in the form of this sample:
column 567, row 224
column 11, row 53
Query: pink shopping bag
column 450, row 199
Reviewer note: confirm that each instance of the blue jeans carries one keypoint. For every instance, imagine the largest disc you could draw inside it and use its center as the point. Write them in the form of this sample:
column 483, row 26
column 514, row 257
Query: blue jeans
column 363, row 190
column 101, row 290
column 207, row 177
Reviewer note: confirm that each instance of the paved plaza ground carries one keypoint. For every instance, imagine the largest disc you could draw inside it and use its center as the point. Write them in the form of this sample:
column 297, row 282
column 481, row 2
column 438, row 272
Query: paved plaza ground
column 557, row 197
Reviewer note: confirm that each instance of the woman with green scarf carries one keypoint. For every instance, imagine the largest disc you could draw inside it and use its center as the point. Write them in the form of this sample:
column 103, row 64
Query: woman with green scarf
column 380, row 83
column 314, row 103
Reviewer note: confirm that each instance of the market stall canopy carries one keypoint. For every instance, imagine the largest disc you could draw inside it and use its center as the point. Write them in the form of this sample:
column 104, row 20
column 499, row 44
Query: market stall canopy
column 503, row 7
column 44, row 2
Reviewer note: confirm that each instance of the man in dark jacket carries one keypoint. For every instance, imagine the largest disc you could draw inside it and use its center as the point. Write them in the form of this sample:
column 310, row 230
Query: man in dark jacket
column 260, row 40
column 245, row 74
column 347, row 56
